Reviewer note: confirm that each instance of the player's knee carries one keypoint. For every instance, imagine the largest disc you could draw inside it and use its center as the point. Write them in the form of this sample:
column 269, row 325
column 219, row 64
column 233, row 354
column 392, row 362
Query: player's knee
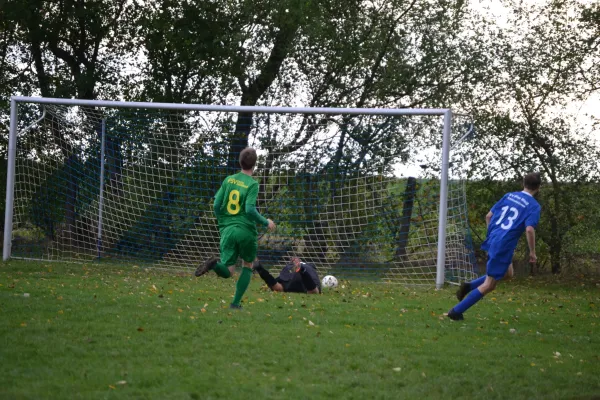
column 278, row 287
column 314, row 291
column 510, row 272
column 488, row 286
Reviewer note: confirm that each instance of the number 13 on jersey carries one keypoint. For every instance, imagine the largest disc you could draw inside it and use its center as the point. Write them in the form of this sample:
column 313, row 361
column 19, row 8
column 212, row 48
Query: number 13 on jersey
column 510, row 219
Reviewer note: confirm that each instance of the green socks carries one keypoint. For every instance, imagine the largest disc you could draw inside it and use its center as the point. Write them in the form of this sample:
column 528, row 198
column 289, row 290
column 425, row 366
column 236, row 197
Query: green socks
column 242, row 284
column 222, row 270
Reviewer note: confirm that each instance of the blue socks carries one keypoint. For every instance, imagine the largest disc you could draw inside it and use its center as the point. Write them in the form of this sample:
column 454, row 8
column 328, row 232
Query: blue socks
column 473, row 297
column 474, row 284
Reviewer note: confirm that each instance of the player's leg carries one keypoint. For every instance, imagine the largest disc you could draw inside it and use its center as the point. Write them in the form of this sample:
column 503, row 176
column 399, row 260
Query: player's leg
column 466, row 287
column 215, row 264
column 248, row 245
column 224, row 265
column 510, row 273
column 266, row 276
column 496, row 269
column 278, row 287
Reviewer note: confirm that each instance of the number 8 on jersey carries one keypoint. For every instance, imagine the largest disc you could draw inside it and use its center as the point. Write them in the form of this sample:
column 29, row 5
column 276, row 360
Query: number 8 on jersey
column 233, row 205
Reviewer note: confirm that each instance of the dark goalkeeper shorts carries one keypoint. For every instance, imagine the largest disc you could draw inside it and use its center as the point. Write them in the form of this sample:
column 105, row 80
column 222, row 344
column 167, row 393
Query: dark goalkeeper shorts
column 237, row 242
column 293, row 286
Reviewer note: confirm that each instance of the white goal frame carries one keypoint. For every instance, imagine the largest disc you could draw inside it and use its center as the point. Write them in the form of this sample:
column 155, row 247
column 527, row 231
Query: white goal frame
column 446, row 113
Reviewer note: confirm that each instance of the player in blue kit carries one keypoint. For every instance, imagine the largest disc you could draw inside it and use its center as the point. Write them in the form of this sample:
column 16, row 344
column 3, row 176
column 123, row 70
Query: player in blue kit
column 515, row 213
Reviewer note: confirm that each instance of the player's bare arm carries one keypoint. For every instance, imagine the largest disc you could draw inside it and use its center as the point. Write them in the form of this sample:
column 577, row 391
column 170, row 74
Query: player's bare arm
column 488, row 218
column 530, row 234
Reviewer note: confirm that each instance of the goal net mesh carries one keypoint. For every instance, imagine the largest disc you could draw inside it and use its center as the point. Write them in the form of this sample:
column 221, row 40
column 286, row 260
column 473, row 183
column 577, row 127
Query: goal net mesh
column 137, row 186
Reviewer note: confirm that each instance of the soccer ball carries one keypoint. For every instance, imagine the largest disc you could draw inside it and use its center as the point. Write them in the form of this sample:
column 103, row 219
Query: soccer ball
column 329, row 281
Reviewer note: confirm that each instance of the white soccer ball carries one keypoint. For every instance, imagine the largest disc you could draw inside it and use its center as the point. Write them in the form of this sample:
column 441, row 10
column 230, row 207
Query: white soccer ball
column 329, row 281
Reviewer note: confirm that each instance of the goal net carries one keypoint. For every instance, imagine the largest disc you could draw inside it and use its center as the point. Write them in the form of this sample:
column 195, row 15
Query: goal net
column 134, row 183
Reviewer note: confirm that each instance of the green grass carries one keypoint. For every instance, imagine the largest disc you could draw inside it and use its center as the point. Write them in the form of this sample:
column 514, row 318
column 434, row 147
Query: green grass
column 99, row 331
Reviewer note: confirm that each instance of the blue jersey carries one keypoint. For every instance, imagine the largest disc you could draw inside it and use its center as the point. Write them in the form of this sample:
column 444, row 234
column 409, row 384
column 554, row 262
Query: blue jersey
column 510, row 216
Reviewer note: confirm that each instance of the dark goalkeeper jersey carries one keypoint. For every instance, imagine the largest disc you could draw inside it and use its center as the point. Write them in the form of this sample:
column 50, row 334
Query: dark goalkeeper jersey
column 235, row 203
column 292, row 280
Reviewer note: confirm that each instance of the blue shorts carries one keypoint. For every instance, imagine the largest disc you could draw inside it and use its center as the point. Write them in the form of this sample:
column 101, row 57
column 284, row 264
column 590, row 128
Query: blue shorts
column 497, row 268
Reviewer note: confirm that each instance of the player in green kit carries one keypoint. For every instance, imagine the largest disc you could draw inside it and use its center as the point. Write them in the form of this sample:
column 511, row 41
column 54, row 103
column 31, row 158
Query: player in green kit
column 235, row 209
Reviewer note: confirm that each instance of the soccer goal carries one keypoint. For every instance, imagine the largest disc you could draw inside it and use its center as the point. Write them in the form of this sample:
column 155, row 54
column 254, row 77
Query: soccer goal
column 134, row 183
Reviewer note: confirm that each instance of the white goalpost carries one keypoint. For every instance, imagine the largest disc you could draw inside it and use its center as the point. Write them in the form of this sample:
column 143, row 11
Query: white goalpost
column 134, row 182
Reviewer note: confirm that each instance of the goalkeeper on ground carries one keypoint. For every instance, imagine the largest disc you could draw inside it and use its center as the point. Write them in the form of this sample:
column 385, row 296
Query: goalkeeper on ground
column 295, row 277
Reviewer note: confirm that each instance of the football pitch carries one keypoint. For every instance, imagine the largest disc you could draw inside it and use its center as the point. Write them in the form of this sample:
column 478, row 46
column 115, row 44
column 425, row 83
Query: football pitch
column 94, row 331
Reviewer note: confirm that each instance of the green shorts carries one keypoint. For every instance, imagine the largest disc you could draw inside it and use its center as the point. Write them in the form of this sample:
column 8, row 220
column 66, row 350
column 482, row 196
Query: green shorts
column 237, row 242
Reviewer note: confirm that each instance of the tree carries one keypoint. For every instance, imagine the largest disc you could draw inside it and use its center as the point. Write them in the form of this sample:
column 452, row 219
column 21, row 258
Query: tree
column 536, row 69
column 76, row 48
column 370, row 54
column 590, row 20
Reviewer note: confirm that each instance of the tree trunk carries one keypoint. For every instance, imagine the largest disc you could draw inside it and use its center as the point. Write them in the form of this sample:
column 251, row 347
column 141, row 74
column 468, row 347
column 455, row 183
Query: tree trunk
column 407, row 208
column 251, row 93
column 239, row 140
column 314, row 239
column 555, row 246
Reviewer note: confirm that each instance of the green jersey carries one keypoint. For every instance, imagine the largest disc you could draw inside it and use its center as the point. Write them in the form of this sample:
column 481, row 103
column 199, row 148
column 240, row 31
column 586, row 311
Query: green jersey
column 235, row 203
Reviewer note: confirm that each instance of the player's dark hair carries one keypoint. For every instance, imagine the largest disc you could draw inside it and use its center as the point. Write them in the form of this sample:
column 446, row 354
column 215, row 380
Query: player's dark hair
column 248, row 158
column 532, row 181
